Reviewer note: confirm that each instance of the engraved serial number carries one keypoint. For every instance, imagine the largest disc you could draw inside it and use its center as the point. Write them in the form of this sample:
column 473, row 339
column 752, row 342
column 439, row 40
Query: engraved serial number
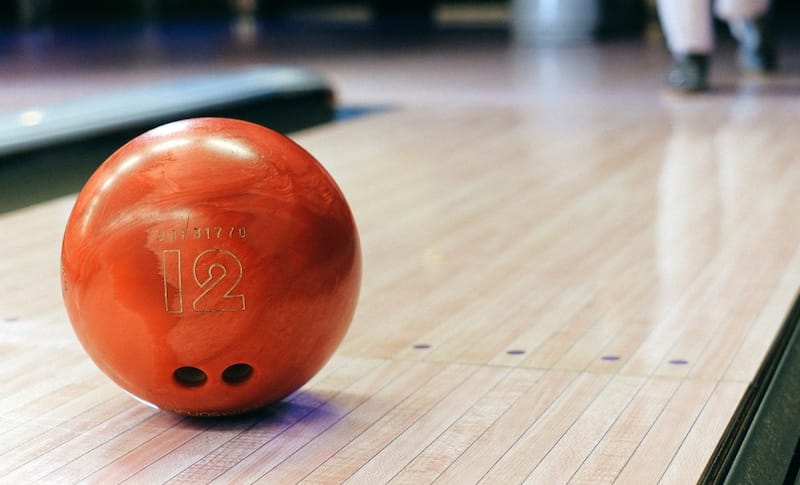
column 201, row 232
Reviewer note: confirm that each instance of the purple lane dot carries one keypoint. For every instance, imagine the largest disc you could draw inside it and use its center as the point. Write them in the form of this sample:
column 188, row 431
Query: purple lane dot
column 422, row 346
column 678, row 361
column 610, row 358
column 515, row 352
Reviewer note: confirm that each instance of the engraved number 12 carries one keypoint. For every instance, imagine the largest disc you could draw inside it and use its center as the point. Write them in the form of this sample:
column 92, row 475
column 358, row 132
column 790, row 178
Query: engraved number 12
column 216, row 274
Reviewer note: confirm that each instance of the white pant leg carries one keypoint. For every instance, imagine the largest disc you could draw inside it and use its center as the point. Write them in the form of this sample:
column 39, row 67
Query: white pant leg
column 687, row 26
column 733, row 10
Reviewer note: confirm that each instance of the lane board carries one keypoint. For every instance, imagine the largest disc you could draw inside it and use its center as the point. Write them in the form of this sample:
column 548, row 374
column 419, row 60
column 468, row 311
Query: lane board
column 519, row 322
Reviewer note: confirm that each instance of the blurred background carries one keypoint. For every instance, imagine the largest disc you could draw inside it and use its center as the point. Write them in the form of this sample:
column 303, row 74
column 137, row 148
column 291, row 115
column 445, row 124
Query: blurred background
column 94, row 45
column 42, row 35
column 59, row 56
column 597, row 16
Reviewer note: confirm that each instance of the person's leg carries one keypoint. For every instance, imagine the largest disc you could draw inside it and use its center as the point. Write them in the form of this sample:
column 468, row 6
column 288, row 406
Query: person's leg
column 690, row 39
column 749, row 24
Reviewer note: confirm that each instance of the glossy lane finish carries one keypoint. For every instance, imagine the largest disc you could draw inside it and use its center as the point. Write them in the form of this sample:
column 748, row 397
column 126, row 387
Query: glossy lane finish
column 631, row 249
column 210, row 266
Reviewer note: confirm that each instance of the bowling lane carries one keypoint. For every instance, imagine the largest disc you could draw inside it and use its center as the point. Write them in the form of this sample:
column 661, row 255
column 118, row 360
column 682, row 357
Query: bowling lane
column 559, row 284
column 516, row 320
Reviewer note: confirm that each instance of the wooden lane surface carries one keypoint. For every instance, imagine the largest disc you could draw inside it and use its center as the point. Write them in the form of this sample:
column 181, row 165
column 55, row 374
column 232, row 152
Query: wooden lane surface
column 574, row 295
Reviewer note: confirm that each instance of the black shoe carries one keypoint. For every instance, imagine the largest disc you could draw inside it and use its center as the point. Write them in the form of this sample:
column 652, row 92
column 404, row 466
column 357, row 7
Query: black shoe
column 689, row 73
column 756, row 46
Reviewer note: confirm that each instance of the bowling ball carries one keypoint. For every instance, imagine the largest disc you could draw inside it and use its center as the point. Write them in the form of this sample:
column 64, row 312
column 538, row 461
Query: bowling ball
column 210, row 266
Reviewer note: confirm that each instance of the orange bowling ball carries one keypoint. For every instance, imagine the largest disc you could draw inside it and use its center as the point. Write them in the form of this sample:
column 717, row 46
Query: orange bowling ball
column 210, row 266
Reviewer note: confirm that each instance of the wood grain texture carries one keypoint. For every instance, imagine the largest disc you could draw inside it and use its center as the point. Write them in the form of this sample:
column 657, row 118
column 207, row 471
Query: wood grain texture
column 571, row 288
